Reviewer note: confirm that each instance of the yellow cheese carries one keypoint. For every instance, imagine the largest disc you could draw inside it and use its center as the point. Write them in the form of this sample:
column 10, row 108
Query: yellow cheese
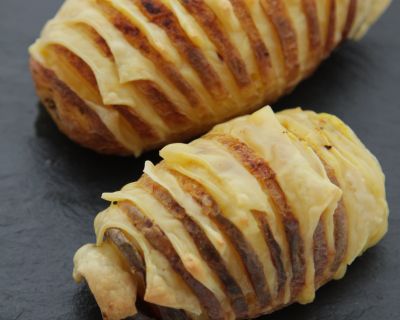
column 116, row 76
column 299, row 147
column 308, row 194
column 357, row 170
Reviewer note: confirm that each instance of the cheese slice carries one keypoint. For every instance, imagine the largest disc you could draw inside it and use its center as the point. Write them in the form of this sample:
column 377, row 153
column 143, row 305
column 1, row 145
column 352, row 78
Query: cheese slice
column 299, row 147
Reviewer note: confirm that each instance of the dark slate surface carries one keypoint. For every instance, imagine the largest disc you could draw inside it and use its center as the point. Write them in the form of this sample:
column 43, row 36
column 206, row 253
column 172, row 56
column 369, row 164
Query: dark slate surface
column 50, row 188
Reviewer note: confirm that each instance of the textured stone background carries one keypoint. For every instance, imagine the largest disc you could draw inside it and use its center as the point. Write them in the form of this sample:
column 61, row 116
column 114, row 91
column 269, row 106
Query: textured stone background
column 50, row 188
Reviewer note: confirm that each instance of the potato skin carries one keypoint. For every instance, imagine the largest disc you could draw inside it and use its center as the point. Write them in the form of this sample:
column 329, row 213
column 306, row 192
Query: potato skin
column 243, row 54
column 71, row 114
column 255, row 215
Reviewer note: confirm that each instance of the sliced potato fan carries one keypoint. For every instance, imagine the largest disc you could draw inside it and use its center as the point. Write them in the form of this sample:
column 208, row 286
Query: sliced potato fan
column 253, row 216
column 126, row 76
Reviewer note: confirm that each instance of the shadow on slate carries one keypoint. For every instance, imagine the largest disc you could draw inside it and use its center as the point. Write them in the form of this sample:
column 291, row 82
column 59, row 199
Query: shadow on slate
column 91, row 164
column 85, row 307
column 334, row 77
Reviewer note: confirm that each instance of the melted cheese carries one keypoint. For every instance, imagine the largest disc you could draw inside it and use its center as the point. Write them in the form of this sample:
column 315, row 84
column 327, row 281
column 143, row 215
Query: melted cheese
column 161, row 176
column 295, row 11
column 376, row 9
column 358, row 172
column 308, row 194
column 277, row 80
column 296, row 144
column 233, row 187
column 129, row 64
column 180, row 239
column 163, row 286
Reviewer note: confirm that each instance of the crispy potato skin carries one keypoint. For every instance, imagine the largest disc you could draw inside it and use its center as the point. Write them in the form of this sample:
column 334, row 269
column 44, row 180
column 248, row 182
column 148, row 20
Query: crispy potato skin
column 248, row 256
column 243, row 221
column 82, row 125
column 71, row 114
column 224, row 59
column 267, row 180
column 203, row 244
column 160, row 242
column 160, row 15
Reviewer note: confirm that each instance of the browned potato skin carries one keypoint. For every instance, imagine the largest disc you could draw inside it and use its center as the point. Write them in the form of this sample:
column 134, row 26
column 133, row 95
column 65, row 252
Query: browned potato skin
column 160, row 242
column 326, row 261
column 78, row 122
column 71, row 114
column 82, row 125
column 286, row 245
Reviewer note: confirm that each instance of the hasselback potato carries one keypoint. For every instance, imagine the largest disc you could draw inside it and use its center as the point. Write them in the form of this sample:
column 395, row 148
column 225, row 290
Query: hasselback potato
column 125, row 76
column 255, row 215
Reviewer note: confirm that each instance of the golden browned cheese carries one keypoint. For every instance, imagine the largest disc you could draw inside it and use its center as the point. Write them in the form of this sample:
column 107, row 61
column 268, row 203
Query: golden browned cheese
column 253, row 216
column 126, row 76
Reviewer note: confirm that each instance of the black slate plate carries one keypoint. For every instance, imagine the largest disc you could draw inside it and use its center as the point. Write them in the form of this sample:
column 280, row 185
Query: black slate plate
column 50, row 188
